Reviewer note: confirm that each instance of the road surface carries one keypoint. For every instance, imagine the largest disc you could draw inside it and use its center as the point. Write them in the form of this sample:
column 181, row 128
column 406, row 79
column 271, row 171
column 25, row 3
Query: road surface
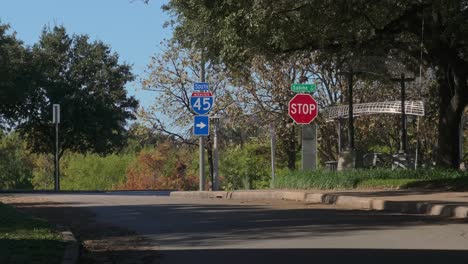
column 227, row 231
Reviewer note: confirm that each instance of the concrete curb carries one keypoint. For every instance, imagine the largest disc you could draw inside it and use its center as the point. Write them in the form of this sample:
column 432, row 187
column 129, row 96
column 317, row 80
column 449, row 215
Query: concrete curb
column 354, row 202
column 72, row 248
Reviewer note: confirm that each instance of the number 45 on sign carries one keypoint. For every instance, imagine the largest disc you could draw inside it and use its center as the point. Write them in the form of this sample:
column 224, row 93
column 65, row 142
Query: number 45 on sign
column 201, row 102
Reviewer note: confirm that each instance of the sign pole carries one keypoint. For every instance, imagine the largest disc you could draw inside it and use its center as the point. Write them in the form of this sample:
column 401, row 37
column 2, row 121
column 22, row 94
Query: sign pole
column 273, row 150
column 202, row 165
column 57, row 167
column 309, row 146
column 303, row 109
column 202, row 150
column 56, row 121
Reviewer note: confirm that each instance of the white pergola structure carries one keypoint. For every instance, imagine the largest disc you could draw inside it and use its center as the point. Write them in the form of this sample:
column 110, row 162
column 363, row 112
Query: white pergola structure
column 415, row 108
column 335, row 113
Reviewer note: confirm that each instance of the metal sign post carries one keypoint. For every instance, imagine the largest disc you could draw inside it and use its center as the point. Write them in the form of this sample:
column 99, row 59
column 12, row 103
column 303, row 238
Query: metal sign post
column 56, row 121
column 273, row 150
column 201, row 103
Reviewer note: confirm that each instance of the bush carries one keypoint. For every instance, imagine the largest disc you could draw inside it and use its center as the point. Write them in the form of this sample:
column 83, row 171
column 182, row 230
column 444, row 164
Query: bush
column 16, row 166
column 93, row 172
column 378, row 178
column 246, row 167
column 43, row 173
column 163, row 168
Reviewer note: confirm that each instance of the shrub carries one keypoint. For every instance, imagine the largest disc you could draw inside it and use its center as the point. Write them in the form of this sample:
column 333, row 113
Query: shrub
column 16, row 165
column 93, row 172
column 43, row 173
column 246, row 167
column 163, row 168
column 378, row 178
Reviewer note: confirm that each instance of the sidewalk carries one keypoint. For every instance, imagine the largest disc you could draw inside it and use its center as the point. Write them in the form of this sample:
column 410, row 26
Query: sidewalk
column 445, row 204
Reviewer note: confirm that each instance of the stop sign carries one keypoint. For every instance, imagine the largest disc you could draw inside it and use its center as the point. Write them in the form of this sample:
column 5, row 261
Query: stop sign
column 303, row 108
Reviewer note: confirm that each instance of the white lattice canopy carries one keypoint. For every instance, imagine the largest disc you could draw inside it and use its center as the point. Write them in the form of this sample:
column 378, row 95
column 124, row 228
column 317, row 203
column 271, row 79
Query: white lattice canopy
column 415, row 108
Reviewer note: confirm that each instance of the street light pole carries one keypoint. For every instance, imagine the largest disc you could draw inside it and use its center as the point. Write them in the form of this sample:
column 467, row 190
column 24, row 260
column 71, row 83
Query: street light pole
column 403, row 132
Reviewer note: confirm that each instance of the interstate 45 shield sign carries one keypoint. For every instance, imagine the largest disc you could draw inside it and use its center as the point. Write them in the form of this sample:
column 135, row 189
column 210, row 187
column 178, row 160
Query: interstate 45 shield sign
column 201, row 102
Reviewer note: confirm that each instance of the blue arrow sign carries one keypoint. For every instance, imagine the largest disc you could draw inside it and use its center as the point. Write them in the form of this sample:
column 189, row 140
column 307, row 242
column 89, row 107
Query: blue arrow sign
column 202, row 86
column 201, row 102
column 201, row 125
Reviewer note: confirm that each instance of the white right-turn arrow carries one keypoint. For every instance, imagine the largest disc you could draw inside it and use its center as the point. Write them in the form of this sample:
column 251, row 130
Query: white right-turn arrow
column 201, row 125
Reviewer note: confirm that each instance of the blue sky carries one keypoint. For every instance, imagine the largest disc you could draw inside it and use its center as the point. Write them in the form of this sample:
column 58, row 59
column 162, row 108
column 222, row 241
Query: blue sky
column 133, row 29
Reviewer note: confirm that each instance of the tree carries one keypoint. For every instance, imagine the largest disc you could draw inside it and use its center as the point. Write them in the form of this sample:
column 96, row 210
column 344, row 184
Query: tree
column 15, row 77
column 86, row 79
column 171, row 75
column 357, row 28
column 265, row 89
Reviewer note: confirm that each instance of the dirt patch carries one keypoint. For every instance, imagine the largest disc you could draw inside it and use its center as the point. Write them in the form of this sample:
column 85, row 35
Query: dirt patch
column 100, row 243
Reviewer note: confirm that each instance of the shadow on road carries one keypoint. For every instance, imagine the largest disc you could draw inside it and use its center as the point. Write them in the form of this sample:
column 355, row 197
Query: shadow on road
column 186, row 225
column 319, row 256
column 172, row 224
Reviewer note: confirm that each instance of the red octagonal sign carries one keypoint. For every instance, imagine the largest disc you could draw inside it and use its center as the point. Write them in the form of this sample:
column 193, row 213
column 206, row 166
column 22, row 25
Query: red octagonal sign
column 303, row 109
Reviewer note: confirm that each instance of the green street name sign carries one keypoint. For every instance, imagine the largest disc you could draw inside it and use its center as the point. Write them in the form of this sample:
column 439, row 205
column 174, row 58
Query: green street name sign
column 303, row 88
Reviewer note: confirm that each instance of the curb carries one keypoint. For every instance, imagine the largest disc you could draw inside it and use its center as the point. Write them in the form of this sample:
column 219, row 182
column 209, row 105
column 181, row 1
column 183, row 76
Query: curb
column 72, row 248
column 354, row 202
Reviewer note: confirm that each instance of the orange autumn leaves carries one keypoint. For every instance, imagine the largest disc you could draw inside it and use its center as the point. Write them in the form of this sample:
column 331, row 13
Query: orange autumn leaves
column 165, row 167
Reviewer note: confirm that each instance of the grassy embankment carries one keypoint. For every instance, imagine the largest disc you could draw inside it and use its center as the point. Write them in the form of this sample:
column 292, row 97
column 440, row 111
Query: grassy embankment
column 374, row 179
column 24, row 239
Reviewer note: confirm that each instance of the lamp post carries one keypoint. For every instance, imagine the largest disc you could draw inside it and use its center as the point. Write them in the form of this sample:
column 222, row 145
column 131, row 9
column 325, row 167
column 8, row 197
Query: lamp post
column 403, row 131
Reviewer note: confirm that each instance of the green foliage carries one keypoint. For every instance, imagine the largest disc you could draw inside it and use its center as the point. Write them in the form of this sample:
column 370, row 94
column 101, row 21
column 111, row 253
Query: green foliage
column 378, row 178
column 88, row 81
column 363, row 34
column 246, row 166
column 43, row 172
column 15, row 164
column 93, row 172
column 24, row 239
column 15, row 77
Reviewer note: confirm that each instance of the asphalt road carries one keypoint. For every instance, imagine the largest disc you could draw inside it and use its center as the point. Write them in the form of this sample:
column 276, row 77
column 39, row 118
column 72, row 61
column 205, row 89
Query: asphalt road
column 226, row 231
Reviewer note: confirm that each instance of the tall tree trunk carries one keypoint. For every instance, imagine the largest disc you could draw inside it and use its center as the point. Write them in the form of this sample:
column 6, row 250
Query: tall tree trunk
column 453, row 96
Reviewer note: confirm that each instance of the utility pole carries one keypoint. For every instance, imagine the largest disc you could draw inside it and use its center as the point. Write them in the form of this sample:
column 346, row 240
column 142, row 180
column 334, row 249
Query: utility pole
column 403, row 131
column 56, row 121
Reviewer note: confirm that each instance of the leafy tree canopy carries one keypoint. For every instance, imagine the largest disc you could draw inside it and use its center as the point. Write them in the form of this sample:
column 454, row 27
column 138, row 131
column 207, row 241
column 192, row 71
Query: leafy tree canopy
column 87, row 80
column 15, row 76
column 235, row 31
